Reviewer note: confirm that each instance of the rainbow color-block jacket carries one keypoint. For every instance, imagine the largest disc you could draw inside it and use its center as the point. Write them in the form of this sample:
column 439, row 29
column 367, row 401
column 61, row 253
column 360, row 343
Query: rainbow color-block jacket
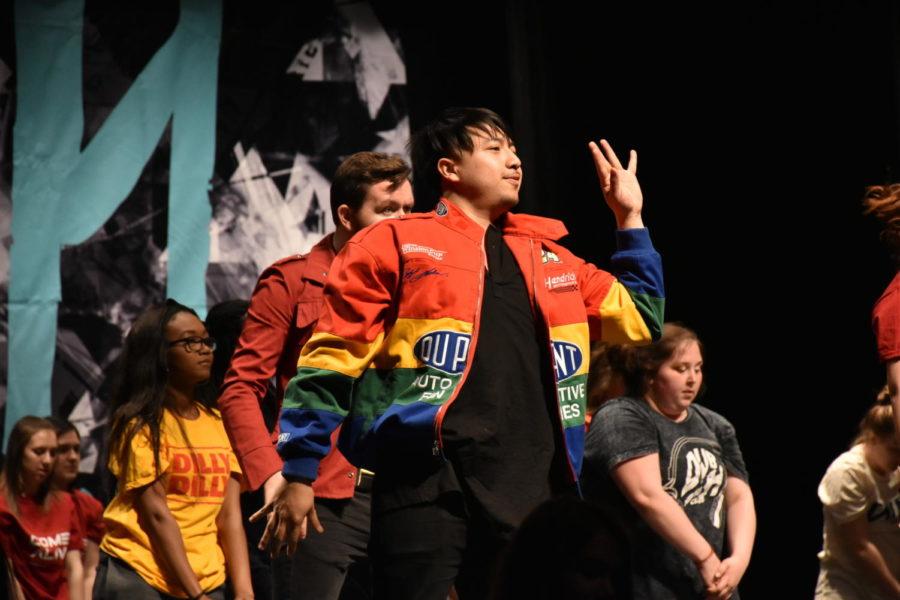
column 399, row 329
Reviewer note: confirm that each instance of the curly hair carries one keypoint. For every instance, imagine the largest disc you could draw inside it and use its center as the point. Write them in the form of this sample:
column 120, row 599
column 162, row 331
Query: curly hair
column 883, row 203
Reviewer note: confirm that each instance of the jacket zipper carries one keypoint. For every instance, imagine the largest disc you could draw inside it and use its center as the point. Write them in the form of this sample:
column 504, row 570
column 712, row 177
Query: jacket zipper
column 438, row 447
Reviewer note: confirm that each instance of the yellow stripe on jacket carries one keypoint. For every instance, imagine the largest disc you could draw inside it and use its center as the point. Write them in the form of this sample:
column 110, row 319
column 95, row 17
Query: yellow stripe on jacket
column 334, row 353
column 399, row 350
column 620, row 318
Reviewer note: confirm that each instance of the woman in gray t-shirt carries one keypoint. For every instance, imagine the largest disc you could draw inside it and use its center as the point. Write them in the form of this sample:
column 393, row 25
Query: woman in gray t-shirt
column 673, row 472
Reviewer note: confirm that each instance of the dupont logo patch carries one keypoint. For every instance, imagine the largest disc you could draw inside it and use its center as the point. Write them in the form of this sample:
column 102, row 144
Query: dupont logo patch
column 443, row 350
column 419, row 249
column 441, row 209
column 567, row 359
column 562, row 281
column 548, row 256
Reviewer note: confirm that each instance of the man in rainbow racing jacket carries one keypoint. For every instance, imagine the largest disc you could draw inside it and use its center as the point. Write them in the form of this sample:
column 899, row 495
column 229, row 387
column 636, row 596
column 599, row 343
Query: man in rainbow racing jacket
column 453, row 347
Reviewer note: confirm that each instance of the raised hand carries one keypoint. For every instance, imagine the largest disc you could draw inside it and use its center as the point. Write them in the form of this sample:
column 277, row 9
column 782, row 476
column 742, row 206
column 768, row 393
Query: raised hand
column 620, row 186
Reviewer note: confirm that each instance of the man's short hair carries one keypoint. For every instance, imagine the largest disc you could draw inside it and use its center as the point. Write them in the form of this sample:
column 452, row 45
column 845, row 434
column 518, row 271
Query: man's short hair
column 361, row 171
column 448, row 135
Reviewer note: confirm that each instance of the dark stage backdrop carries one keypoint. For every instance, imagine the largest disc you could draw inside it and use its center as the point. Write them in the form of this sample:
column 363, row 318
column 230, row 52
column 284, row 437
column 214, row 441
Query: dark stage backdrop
column 250, row 109
column 758, row 126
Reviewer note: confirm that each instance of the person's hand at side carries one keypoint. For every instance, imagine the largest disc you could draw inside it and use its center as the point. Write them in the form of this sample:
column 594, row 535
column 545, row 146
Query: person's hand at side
column 288, row 514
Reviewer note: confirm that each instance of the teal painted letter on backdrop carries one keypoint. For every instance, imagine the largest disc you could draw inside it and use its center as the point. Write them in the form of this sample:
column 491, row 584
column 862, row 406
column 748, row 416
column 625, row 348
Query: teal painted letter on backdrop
column 62, row 194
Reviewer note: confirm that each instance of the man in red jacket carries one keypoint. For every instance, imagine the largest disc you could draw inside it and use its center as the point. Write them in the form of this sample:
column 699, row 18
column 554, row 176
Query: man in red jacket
column 452, row 349
column 367, row 187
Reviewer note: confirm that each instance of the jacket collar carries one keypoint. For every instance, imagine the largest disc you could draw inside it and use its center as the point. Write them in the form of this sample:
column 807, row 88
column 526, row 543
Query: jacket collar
column 532, row 226
column 319, row 260
column 510, row 223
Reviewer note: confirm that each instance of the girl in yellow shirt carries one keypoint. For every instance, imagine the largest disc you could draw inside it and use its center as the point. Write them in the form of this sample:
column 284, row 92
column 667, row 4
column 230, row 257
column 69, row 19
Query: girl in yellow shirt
column 174, row 527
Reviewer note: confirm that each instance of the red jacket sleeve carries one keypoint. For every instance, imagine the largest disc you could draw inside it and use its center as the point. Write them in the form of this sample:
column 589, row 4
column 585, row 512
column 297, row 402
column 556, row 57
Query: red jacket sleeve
column 253, row 365
column 90, row 514
column 76, row 530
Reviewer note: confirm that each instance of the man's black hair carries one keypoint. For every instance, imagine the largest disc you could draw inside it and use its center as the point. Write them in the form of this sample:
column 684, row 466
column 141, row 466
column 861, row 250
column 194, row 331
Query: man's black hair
column 447, row 135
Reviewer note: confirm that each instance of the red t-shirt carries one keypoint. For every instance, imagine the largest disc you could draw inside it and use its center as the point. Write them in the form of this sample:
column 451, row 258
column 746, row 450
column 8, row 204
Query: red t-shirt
column 886, row 321
column 36, row 543
column 90, row 516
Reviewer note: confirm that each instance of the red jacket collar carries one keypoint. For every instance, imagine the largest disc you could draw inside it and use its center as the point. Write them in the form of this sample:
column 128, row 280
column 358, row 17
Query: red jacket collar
column 511, row 224
column 319, row 260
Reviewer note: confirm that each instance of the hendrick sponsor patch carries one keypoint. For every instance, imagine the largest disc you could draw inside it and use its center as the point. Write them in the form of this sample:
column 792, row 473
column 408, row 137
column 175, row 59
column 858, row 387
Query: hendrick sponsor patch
column 561, row 281
column 419, row 249
column 443, row 350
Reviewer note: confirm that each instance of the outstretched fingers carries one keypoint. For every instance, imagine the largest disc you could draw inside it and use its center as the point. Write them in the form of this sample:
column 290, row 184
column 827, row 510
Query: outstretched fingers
column 266, row 509
column 601, row 164
column 269, row 533
column 606, row 161
column 610, row 154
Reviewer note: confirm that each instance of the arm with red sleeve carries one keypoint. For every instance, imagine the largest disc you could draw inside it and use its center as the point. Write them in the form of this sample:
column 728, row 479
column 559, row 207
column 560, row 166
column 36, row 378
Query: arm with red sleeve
column 626, row 306
column 254, row 363
column 358, row 299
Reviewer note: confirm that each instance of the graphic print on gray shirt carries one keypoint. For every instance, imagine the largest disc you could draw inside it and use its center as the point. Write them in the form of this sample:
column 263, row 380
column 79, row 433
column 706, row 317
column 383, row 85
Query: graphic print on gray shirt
column 696, row 456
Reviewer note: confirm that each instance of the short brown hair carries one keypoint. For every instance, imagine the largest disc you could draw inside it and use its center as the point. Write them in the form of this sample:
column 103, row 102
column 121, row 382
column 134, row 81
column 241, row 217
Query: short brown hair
column 639, row 364
column 359, row 172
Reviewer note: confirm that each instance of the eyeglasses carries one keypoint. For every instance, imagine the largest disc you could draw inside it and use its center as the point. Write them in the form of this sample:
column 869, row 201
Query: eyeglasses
column 193, row 344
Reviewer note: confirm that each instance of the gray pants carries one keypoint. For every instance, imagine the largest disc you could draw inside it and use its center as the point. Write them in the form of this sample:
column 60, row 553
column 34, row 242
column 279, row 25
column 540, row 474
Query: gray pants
column 117, row 581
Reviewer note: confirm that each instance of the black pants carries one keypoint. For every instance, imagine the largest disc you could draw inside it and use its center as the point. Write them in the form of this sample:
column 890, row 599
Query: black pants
column 116, row 580
column 333, row 564
column 419, row 551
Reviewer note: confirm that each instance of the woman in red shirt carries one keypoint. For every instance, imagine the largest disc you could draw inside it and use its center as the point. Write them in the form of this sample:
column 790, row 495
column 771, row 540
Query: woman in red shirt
column 39, row 531
column 883, row 203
